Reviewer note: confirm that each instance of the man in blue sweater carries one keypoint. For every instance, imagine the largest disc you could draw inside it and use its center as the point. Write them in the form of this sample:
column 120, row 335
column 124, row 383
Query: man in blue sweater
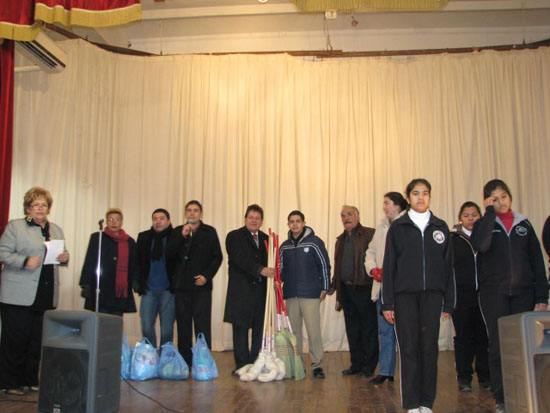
column 305, row 273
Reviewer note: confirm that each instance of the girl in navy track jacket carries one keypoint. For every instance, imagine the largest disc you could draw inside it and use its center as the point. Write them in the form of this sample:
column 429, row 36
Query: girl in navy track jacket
column 418, row 284
column 512, row 278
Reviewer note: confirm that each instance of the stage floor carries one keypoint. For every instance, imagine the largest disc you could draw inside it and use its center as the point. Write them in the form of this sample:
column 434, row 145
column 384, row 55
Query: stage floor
column 335, row 393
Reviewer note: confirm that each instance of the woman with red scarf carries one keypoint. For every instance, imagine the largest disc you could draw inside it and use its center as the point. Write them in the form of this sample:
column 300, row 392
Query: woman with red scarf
column 512, row 278
column 118, row 268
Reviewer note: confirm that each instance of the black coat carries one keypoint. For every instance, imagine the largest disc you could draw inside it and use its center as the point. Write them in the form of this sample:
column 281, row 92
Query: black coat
column 246, row 287
column 546, row 236
column 109, row 255
column 416, row 262
column 200, row 254
column 144, row 242
column 466, row 268
column 510, row 263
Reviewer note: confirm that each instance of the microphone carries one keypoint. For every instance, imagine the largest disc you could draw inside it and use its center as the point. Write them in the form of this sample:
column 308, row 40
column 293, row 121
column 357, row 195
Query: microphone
column 190, row 221
column 101, row 221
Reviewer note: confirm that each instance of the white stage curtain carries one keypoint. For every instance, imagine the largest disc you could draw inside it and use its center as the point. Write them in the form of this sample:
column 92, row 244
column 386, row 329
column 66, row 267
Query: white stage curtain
column 145, row 132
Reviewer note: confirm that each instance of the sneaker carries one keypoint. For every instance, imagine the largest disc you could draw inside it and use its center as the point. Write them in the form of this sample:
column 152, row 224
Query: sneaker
column 464, row 386
column 500, row 408
column 318, row 373
column 424, row 409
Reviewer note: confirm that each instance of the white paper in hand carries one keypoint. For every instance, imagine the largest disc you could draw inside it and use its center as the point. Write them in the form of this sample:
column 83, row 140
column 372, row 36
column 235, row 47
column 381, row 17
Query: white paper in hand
column 53, row 249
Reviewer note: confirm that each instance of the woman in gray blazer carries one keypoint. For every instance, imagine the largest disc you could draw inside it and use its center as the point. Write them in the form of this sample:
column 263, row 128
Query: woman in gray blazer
column 28, row 288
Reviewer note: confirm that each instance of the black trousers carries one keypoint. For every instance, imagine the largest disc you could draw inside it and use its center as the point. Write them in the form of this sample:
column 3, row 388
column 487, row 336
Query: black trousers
column 493, row 306
column 193, row 307
column 241, row 351
column 417, row 320
column 20, row 346
column 471, row 342
column 361, row 327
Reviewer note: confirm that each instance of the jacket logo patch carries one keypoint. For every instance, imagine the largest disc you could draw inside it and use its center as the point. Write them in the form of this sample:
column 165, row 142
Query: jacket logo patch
column 439, row 237
column 306, row 249
column 521, row 231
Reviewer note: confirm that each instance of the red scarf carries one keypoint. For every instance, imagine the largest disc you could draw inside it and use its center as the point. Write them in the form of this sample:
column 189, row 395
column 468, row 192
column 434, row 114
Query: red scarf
column 507, row 219
column 121, row 283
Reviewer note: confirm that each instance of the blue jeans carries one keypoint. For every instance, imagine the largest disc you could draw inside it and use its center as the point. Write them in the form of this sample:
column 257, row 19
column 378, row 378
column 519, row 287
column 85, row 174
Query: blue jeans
column 386, row 337
column 160, row 303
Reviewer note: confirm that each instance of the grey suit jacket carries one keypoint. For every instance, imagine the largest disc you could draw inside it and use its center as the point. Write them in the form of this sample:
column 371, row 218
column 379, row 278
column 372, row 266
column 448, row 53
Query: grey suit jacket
column 18, row 285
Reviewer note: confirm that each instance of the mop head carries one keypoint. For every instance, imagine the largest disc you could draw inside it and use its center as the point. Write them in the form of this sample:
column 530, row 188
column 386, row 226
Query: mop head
column 243, row 370
column 270, row 371
column 256, row 369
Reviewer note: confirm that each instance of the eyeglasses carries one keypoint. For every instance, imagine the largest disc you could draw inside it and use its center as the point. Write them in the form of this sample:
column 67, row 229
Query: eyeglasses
column 114, row 220
column 36, row 205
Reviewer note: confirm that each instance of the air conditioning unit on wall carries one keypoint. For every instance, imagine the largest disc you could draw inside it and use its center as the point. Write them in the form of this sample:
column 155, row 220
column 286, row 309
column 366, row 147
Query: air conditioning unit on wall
column 44, row 53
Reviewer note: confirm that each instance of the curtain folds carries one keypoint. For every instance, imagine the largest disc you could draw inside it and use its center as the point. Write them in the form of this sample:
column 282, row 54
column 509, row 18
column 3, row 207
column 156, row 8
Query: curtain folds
column 146, row 132
column 369, row 5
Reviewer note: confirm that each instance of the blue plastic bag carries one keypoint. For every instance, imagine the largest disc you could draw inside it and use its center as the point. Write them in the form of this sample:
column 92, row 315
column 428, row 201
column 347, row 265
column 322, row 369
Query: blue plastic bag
column 172, row 366
column 145, row 361
column 126, row 358
column 204, row 366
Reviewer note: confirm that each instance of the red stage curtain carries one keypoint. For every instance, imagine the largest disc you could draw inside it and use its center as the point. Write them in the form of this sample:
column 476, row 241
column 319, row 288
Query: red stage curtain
column 6, row 128
column 17, row 20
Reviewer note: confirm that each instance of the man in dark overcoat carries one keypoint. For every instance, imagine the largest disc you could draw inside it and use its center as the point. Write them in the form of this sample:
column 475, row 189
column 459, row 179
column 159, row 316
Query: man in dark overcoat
column 246, row 289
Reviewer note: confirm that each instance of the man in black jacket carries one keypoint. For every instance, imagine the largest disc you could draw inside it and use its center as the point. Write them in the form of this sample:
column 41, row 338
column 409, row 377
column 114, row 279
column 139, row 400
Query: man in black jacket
column 196, row 248
column 245, row 301
column 156, row 271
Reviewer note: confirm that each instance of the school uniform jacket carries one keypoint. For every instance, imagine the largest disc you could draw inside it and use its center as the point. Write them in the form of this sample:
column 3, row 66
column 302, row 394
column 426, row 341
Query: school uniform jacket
column 510, row 262
column 305, row 266
column 415, row 262
column 466, row 266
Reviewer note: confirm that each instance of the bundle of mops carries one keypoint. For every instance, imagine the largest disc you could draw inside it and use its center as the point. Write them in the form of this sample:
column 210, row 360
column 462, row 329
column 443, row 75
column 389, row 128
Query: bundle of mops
column 277, row 356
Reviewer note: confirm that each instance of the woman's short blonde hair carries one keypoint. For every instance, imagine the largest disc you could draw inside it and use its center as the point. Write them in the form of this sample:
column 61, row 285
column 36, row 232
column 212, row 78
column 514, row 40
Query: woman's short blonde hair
column 34, row 193
column 114, row 211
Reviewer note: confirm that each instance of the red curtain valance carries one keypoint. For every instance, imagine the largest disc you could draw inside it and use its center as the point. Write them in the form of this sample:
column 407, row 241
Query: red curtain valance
column 18, row 19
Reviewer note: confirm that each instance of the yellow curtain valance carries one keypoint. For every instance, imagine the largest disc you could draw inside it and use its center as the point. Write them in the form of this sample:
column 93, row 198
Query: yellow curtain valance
column 21, row 20
column 87, row 18
column 369, row 5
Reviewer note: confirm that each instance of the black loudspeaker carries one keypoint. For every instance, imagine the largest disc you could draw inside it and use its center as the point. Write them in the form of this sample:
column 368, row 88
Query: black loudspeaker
column 80, row 365
column 525, row 359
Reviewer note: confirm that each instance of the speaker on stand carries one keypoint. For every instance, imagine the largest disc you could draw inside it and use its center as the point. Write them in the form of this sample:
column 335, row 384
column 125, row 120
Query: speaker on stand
column 525, row 360
column 80, row 364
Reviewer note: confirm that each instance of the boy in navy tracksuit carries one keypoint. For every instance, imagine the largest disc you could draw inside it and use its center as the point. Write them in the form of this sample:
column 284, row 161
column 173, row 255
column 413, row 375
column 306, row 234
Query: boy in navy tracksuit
column 305, row 272
column 418, row 284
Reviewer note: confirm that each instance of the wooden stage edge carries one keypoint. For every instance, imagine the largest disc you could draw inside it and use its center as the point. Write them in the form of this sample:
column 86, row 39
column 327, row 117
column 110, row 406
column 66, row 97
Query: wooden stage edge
column 335, row 393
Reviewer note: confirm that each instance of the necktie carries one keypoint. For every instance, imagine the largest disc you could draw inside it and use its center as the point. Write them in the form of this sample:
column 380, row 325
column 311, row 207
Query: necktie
column 255, row 236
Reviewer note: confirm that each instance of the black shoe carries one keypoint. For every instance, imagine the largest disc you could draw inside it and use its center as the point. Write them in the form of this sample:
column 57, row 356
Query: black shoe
column 350, row 372
column 365, row 374
column 318, row 373
column 381, row 379
column 464, row 386
column 484, row 384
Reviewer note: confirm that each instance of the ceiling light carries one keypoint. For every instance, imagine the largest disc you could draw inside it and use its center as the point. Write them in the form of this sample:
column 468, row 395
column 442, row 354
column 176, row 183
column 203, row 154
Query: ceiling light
column 262, row 1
